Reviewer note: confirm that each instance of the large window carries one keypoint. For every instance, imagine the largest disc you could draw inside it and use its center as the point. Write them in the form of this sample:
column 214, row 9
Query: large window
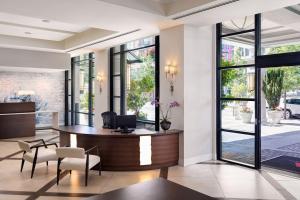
column 134, row 84
column 80, row 91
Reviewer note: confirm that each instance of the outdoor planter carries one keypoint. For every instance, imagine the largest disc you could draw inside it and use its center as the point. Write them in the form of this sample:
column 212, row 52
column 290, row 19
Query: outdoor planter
column 274, row 116
column 246, row 117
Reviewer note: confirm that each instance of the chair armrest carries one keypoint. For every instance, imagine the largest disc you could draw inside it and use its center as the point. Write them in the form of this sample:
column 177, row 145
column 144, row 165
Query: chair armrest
column 37, row 146
column 50, row 144
column 38, row 140
column 89, row 150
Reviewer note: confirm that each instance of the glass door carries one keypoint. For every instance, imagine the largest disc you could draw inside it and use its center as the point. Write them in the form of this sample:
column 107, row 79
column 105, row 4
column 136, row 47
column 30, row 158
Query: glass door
column 237, row 116
column 280, row 114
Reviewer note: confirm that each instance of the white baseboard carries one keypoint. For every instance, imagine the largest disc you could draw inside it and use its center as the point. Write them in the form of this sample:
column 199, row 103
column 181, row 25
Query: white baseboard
column 194, row 160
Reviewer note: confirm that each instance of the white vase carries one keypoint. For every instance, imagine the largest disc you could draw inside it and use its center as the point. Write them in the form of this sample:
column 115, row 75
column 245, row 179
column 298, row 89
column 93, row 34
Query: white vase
column 274, row 116
column 246, row 117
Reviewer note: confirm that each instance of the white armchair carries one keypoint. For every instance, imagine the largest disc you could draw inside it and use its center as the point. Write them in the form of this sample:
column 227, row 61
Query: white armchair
column 36, row 153
column 77, row 159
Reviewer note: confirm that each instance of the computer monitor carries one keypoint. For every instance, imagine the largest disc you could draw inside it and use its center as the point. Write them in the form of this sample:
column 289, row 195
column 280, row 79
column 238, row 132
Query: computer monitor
column 126, row 122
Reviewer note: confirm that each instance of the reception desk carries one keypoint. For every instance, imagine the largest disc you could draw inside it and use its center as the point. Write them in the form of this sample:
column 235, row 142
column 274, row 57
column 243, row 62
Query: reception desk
column 17, row 120
column 140, row 150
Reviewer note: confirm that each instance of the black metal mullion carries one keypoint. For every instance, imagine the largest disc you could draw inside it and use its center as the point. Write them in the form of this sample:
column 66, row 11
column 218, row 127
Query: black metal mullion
column 235, row 67
column 236, row 99
column 218, row 90
column 238, row 33
column 237, row 132
column 157, row 81
column 66, row 98
column 72, row 91
column 111, row 79
column 122, row 80
column 257, row 93
column 90, row 88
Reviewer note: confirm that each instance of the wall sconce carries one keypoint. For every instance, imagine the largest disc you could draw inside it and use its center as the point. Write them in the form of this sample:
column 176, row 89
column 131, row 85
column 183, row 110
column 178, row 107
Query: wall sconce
column 100, row 79
column 171, row 71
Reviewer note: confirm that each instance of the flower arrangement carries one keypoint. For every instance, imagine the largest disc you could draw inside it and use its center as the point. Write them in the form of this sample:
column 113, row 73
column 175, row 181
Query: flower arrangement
column 169, row 107
column 165, row 124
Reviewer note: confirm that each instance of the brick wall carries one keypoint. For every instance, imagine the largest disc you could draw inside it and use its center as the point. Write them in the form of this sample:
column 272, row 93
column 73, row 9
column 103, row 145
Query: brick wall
column 49, row 86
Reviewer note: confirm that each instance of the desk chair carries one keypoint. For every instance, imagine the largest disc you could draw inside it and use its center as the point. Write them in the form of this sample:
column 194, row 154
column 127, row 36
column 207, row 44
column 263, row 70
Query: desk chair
column 37, row 153
column 109, row 119
column 70, row 158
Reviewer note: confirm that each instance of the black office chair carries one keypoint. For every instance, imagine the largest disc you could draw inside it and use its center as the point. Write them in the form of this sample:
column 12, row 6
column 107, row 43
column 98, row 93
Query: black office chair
column 109, row 120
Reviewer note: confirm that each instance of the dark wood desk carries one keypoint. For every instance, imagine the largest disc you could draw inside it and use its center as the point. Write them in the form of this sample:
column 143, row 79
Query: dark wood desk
column 140, row 150
column 158, row 189
column 17, row 120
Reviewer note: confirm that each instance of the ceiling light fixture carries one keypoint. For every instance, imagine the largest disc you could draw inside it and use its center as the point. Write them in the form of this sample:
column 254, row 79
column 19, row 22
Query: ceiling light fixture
column 28, row 33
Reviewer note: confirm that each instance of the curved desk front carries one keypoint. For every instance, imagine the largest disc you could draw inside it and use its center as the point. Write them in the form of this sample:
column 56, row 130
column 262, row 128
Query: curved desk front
column 140, row 150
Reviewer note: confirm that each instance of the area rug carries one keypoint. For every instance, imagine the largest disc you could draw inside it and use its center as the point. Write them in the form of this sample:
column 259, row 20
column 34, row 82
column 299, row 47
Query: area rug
column 288, row 163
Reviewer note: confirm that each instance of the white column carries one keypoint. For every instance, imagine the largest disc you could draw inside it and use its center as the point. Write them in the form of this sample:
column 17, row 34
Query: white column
column 101, row 99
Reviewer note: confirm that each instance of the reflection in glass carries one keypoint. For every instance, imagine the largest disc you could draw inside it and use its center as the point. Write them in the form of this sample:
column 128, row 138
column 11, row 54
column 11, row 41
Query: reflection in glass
column 238, row 115
column 140, row 83
column 140, row 43
column 237, row 147
column 238, row 83
column 237, row 25
column 238, row 50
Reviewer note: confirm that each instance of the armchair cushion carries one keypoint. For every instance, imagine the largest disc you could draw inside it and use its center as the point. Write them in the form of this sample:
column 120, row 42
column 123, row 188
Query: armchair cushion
column 44, row 154
column 25, row 146
column 70, row 152
column 79, row 163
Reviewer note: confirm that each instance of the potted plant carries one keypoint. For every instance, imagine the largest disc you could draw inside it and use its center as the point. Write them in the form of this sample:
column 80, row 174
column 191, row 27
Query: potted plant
column 165, row 124
column 246, row 114
column 272, row 88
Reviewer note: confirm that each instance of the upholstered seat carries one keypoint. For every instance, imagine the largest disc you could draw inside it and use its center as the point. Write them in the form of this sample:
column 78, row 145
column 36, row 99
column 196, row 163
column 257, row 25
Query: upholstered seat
column 79, row 163
column 44, row 155
column 70, row 158
column 37, row 153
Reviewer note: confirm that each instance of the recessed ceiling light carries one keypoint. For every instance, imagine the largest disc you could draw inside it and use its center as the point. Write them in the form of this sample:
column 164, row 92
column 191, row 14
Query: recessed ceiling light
column 28, row 33
column 46, row 20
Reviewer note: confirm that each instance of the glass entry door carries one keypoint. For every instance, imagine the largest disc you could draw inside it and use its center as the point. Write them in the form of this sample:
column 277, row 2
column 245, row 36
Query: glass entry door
column 237, row 111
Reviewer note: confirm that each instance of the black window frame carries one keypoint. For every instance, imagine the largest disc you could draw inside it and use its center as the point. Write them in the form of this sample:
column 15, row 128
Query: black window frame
column 71, row 115
column 121, row 51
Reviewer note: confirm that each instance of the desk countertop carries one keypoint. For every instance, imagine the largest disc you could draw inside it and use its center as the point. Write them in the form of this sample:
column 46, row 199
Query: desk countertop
column 85, row 130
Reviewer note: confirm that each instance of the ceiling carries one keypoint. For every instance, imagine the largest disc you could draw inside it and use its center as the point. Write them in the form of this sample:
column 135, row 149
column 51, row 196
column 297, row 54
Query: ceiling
column 281, row 26
column 68, row 25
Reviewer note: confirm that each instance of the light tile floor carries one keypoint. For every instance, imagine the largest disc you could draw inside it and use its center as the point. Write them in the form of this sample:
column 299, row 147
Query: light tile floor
column 214, row 179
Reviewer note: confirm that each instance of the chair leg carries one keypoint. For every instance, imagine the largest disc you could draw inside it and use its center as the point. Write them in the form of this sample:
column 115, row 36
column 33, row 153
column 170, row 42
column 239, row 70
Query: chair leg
column 70, row 171
column 86, row 176
column 22, row 164
column 33, row 168
column 57, row 176
column 47, row 163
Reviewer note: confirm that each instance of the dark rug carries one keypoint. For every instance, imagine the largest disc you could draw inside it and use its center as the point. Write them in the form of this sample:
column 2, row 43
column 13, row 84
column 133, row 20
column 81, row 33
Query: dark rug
column 288, row 163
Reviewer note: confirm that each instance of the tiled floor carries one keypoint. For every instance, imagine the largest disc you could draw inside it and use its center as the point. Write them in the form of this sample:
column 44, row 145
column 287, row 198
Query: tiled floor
column 212, row 178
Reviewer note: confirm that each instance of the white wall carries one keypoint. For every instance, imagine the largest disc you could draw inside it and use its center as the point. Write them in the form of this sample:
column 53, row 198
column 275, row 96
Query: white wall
column 191, row 49
column 171, row 51
column 101, row 99
column 34, row 59
column 198, row 92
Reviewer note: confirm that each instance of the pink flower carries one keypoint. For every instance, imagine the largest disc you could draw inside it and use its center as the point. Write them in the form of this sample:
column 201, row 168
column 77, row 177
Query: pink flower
column 174, row 104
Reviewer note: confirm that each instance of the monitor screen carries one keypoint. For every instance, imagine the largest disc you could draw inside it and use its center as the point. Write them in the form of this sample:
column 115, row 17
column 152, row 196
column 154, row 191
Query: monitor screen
column 126, row 121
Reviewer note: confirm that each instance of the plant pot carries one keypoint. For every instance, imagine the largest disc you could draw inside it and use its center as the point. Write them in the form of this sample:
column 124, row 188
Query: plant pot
column 246, row 117
column 274, row 116
column 165, row 124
